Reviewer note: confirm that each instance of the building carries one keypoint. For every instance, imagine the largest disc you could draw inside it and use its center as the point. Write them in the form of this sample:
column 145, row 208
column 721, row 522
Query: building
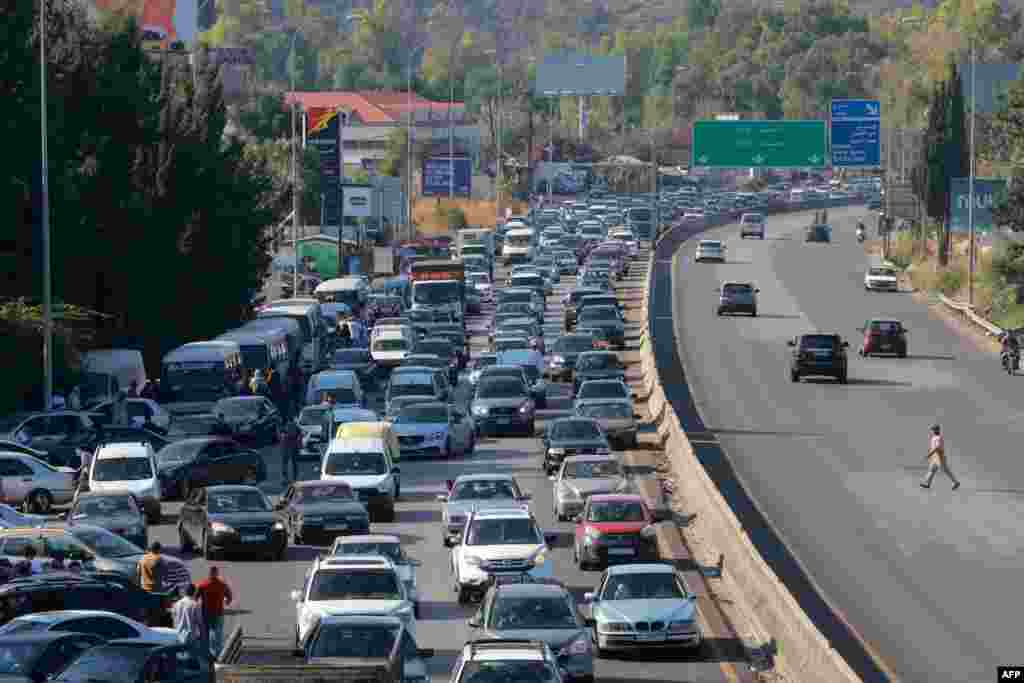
column 374, row 115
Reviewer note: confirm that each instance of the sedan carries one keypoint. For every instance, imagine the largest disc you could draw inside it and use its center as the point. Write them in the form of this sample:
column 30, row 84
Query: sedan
column 613, row 527
column 484, row 360
column 582, row 476
column 631, row 598
column 710, row 250
column 358, row 361
column 597, row 365
column 107, row 625
column 606, row 318
column 317, row 512
column 566, row 350
column 41, row 656
column 737, row 297
column 137, row 661
column 190, row 463
column 881, row 279
column 572, row 436
column 434, row 428
column 252, row 419
column 231, row 519
column 503, row 404
column 118, row 513
column 389, row 546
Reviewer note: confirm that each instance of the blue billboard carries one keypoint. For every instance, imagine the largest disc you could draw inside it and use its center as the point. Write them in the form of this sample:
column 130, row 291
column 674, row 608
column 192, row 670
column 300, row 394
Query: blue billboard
column 437, row 174
column 988, row 193
column 856, row 133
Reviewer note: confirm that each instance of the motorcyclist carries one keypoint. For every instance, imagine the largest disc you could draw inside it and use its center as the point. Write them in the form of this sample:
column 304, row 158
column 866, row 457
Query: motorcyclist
column 1011, row 347
column 344, row 333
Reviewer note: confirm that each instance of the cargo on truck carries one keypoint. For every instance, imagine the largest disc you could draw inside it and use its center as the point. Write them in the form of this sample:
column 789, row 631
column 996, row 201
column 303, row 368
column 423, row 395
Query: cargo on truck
column 439, row 285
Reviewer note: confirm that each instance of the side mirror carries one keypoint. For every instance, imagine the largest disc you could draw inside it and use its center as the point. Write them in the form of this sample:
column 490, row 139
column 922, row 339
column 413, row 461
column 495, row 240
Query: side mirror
column 414, row 563
column 590, row 597
column 846, row 345
column 578, row 519
column 296, row 596
column 757, row 291
column 395, row 469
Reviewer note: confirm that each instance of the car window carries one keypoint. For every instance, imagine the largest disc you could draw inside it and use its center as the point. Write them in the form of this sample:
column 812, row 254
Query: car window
column 637, row 586
column 818, row 341
column 354, row 585
column 12, row 467
column 67, row 547
column 616, row 511
column 226, row 502
column 483, row 489
column 885, row 327
column 516, row 613
column 608, row 411
column 737, row 289
column 509, row 531
column 322, row 493
column 574, row 429
column 604, row 469
column 336, row 640
column 105, row 627
column 356, row 464
column 16, row 545
column 603, row 390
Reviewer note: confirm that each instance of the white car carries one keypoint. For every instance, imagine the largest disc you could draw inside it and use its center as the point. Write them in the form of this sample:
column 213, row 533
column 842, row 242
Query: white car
column 29, row 481
column 881, row 279
column 752, row 225
column 388, row 545
column 496, row 542
column 105, row 624
column 710, row 250
column 351, row 584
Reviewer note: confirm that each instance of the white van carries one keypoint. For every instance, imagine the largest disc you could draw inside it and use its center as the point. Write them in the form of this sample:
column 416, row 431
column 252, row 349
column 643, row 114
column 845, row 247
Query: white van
column 107, row 371
column 388, row 348
column 368, row 466
column 307, row 313
column 128, row 468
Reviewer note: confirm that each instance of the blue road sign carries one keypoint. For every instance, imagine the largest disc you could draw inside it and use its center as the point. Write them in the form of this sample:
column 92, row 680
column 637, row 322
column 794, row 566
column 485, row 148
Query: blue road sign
column 856, row 133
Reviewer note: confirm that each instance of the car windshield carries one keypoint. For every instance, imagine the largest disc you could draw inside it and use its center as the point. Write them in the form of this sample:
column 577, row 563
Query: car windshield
column 106, row 506
column 354, row 585
column 513, row 330
column 509, row 671
column 603, row 390
column 601, row 469
column 501, row 388
column 885, row 327
column 574, row 429
column 483, row 489
column 361, row 642
column 710, row 245
column 313, row 417
column 574, row 345
column 242, row 407
column 883, row 272
column 642, row 586
column 823, row 342
column 484, row 362
column 510, row 531
column 19, row 659
column 510, row 613
column 122, row 469
column 424, row 386
column 435, row 292
column 104, row 543
column 322, row 493
column 423, row 413
column 733, row 290
column 227, row 502
column 390, row 345
column 355, row 463
column 616, row 511
column 178, row 453
column 442, row 349
column 351, row 357
column 604, row 361
column 107, row 664
column 596, row 313
column 389, row 549
column 598, row 411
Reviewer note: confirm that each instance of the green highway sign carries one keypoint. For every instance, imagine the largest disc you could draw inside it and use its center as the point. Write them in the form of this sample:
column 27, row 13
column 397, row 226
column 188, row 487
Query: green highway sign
column 759, row 144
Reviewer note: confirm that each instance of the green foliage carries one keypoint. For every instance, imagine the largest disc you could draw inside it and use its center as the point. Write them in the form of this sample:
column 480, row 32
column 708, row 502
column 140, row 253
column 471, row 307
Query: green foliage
column 950, row 281
column 1008, row 261
column 266, row 117
column 456, row 218
column 702, row 13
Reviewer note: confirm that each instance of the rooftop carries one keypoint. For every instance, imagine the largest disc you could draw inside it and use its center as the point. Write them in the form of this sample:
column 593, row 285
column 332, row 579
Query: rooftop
column 375, row 107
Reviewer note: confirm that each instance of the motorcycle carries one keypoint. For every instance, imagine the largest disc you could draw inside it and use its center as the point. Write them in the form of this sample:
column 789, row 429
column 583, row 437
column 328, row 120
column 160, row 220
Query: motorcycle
column 1010, row 360
column 860, row 234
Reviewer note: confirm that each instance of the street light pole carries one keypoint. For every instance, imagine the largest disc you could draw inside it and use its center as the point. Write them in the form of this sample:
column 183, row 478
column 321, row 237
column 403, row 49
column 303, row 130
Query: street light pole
column 295, row 177
column 45, row 241
column 970, row 190
column 408, row 138
column 499, row 171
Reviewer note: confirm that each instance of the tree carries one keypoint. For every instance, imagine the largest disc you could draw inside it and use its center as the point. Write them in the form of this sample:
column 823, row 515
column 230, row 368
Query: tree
column 702, row 13
column 1011, row 123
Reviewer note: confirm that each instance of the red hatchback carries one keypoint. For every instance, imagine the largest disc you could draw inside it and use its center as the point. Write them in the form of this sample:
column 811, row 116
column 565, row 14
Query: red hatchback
column 884, row 337
column 613, row 527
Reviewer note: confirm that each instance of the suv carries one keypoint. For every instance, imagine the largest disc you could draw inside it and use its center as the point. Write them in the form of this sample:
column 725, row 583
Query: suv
column 498, row 543
column 818, row 355
column 737, row 297
column 66, row 591
column 351, row 584
column 506, row 660
column 752, row 225
column 128, row 468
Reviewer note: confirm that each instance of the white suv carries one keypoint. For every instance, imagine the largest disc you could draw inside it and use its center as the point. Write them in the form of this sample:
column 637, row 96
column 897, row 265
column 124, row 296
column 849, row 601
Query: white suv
column 507, row 660
column 498, row 544
column 351, row 584
column 128, row 468
column 752, row 225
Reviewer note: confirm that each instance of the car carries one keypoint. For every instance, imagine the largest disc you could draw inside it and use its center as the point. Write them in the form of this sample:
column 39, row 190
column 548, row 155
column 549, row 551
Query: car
column 93, row 547
column 511, row 343
column 63, row 433
column 359, row 361
column 532, row 331
column 571, row 436
column 606, row 299
column 883, row 336
column 881, row 279
column 606, row 318
column 566, row 260
column 126, row 468
column 317, row 512
column 469, row 492
column 72, row 458
column 342, row 385
column 33, row 484
column 592, row 365
column 532, row 365
column 737, row 297
column 140, row 661
column 389, row 546
column 231, row 519
column 710, row 250
column 106, row 625
column 571, row 301
column 53, row 590
column 10, row 518
column 632, row 599
column 818, row 355
column 201, row 461
column 498, row 542
column 615, row 416
column 434, row 429
column 252, row 419
column 369, row 465
column 311, row 419
column 143, row 412
column 339, row 585
column 752, row 225
column 613, row 527
column 818, row 233
column 544, row 611
column 118, row 513
column 129, row 434
column 418, row 380
column 442, row 348
column 487, row 659
column 34, row 657
column 478, row 364
column 565, row 351
column 503, row 404
column 521, row 309
column 361, row 638
column 581, row 476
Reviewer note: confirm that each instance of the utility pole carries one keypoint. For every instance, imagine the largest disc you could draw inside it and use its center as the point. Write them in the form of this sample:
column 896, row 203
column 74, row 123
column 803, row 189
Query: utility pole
column 45, row 241
column 970, row 191
column 499, row 171
column 295, row 177
column 408, row 161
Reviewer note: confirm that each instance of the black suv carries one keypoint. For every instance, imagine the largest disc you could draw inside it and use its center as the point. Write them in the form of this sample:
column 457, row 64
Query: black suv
column 89, row 591
column 822, row 355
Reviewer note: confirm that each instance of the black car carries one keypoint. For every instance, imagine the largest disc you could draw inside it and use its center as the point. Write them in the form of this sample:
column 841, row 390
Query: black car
column 54, row 591
column 252, row 419
column 316, row 512
column 818, row 233
column 596, row 365
column 821, row 355
column 118, row 513
column 564, row 353
column 442, row 348
column 606, row 318
column 231, row 519
column 358, row 361
column 62, row 435
column 572, row 436
column 190, row 463
column 38, row 657
column 456, row 334
column 571, row 301
column 139, row 661
column 132, row 434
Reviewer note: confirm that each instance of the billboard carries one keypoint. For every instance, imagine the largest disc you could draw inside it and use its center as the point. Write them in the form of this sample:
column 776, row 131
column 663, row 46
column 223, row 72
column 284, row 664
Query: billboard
column 358, row 201
column 988, row 193
column 572, row 73
column 161, row 21
column 323, row 131
column 437, row 174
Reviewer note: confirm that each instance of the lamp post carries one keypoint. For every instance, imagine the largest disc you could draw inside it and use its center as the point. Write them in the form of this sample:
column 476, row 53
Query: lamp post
column 971, row 255
column 295, row 174
column 45, row 241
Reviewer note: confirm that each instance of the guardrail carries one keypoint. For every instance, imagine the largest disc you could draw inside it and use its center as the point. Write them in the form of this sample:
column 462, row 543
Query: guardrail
column 232, row 650
column 967, row 311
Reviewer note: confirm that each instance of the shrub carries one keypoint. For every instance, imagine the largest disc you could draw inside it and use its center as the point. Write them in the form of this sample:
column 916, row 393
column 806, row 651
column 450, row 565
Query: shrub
column 456, row 219
column 950, row 281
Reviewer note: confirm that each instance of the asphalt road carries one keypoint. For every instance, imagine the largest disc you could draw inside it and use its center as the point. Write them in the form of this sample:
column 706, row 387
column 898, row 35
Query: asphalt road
column 267, row 615
column 928, row 578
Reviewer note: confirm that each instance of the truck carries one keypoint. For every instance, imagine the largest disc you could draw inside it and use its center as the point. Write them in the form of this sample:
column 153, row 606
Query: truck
column 439, row 285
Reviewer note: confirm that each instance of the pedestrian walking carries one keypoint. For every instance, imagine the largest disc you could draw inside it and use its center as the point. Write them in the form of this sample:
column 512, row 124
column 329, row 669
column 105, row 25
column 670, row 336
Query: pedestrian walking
column 189, row 622
column 215, row 594
column 936, row 459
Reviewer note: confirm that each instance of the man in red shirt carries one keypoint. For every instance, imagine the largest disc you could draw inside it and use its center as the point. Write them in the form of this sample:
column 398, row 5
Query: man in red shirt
column 215, row 594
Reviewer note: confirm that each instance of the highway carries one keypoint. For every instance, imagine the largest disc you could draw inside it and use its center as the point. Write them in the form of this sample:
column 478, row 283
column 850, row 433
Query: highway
column 928, row 578
column 267, row 615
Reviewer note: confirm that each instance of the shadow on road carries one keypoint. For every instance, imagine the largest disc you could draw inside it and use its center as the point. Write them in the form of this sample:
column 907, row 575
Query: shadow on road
column 417, row 516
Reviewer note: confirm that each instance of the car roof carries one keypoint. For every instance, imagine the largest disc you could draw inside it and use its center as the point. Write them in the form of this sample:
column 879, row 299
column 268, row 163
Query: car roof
column 369, row 538
column 484, row 476
column 47, row 637
column 509, row 512
column 59, row 615
column 124, row 449
column 539, row 588
column 359, row 619
column 358, row 445
column 641, row 568
column 343, row 561
column 591, row 458
column 613, row 497
column 310, row 483
column 232, row 488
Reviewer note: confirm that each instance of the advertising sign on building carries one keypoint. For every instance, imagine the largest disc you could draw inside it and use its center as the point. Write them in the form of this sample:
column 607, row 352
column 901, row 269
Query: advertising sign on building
column 437, row 174
column 323, row 131
column 358, row 201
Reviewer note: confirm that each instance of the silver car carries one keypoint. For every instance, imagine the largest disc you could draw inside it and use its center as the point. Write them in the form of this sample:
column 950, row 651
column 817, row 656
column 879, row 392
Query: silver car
column 582, row 476
column 31, row 482
column 472, row 492
column 615, row 416
column 390, row 546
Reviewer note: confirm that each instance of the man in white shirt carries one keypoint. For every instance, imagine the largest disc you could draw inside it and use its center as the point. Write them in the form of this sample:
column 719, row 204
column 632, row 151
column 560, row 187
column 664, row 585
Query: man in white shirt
column 937, row 459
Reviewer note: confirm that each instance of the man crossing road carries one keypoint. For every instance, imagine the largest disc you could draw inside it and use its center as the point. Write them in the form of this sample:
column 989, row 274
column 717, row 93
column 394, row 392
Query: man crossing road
column 937, row 460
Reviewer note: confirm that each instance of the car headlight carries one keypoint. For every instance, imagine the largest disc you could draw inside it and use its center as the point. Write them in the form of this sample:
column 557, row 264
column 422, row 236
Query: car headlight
column 473, row 560
column 526, row 407
column 556, row 451
column 436, row 436
column 592, row 535
column 278, row 526
column 613, row 627
column 558, row 360
column 221, row 528
column 480, row 410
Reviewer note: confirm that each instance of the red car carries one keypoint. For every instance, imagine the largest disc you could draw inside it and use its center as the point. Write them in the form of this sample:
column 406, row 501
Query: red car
column 613, row 527
column 884, row 337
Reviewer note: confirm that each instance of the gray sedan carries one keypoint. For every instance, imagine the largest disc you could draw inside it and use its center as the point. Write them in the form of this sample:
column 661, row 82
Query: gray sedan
column 582, row 476
column 615, row 416
column 434, row 429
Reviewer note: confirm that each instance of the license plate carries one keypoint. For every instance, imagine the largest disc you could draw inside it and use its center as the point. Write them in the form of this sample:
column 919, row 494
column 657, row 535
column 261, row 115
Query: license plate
column 501, row 579
column 620, row 551
column 336, row 527
column 886, row 347
column 253, row 538
column 504, row 420
column 650, row 637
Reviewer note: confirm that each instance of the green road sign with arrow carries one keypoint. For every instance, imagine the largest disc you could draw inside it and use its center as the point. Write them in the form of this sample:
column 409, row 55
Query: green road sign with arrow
column 759, row 144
